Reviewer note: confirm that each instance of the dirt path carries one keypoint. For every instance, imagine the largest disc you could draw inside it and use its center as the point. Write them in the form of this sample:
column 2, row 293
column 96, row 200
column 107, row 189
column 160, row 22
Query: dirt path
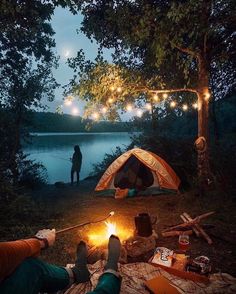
column 72, row 205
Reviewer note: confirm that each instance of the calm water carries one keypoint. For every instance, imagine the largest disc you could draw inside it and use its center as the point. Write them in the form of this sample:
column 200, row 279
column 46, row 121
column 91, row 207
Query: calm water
column 54, row 150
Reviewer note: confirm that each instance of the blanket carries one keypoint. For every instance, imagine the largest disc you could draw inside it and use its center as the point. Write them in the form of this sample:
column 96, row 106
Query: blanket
column 135, row 274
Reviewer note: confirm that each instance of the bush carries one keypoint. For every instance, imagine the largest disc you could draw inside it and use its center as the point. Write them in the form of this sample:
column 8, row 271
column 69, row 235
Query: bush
column 31, row 174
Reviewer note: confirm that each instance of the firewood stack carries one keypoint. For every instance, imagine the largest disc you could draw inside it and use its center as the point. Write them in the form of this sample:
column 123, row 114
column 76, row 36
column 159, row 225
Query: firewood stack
column 190, row 226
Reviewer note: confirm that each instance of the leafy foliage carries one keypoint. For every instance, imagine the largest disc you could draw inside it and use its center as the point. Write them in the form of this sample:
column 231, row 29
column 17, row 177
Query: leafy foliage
column 158, row 45
column 26, row 61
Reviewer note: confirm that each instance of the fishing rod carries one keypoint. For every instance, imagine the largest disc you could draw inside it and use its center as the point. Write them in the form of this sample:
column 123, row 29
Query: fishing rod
column 60, row 158
column 84, row 224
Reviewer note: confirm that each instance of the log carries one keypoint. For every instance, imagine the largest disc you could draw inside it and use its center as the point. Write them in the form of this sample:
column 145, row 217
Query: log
column 190, row 223
column 200, row 229
column 176, row 233
column 185, row 219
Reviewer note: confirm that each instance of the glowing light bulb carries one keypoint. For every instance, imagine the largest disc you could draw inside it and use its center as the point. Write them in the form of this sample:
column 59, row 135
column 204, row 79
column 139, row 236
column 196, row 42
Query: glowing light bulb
column 195, row 105
column 148, row 106
column 110, row 100
column 95, row 115
column 112, row 88
column 165, row 95
column 139, row 113
column 129, row 107
column 185, row 107
column 119, row 89
column 75, row 111
column 155, row 97
column 172, row 104
column 68, row 102
column 104, row 109
column 207, row 95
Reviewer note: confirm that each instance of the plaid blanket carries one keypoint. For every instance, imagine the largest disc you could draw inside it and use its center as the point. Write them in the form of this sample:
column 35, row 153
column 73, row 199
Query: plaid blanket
column 135, row 274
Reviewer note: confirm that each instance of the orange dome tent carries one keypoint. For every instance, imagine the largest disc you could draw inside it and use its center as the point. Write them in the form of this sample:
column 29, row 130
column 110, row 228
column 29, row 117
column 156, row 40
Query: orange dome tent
column 139, row 169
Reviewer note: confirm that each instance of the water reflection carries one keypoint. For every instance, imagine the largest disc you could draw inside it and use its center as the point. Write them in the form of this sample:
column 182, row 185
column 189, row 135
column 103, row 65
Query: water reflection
column 54, row 151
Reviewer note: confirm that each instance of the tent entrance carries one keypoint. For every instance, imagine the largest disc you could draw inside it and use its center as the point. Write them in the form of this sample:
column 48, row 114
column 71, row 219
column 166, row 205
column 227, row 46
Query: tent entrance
column 133, row 174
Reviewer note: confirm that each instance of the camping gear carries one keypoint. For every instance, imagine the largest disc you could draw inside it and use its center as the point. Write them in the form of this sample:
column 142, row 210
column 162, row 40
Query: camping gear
column 143, row 225
column 159, row 285
column 163, row 256
column 138, row 169
column 84, row 224
column 204, row 263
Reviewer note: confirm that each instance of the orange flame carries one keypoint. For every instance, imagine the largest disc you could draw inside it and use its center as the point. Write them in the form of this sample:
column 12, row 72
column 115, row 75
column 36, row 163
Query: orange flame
column 101, row 236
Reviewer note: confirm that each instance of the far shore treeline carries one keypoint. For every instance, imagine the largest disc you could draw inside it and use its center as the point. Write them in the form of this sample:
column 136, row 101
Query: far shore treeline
column 176, row 126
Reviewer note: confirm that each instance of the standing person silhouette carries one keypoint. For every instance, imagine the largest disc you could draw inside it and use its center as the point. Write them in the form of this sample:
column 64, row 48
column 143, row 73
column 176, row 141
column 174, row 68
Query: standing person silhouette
column 76, row 164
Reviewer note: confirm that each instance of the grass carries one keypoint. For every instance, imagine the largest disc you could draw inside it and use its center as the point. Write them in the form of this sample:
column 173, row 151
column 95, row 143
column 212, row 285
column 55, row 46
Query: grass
column 62, row 207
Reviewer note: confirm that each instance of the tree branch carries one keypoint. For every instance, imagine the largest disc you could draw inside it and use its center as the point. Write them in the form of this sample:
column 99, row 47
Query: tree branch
column 174, row 90
column 146, row 89
column 184, row 50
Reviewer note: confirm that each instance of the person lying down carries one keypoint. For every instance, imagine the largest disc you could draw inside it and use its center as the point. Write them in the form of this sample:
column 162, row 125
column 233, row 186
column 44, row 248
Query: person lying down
column 23, row 272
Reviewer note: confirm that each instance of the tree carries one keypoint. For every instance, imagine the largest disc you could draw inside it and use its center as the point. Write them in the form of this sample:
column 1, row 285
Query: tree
column 26, row 61
column 183, row 42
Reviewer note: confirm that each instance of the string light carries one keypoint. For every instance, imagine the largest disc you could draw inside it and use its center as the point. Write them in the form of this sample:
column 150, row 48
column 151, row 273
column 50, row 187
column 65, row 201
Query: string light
column 75, row 111
column 165, row 95
column 110, row 100
column 129, row 107
column 139, row 113
column 172, row 104
column 195, row 105
column 104, row 109
column 148, row 106
column 185, row 107
column 155, row 97
column 119, row 89
column 112, row 88
column 68, row 102
column 95, row 115
column 207, row 95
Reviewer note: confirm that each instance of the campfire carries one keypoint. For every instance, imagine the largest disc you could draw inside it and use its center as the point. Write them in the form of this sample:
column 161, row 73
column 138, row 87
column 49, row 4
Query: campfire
column 102, row 233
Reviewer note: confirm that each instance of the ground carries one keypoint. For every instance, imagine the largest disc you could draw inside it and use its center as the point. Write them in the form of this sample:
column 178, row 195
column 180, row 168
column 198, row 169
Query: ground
column 65, row 206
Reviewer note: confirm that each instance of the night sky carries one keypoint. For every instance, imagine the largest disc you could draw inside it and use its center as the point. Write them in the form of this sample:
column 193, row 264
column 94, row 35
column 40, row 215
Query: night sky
column 68, row 42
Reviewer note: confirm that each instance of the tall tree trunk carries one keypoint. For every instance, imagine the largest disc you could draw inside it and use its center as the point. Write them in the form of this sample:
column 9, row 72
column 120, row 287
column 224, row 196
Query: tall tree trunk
column 203, row 124
column 214, row 120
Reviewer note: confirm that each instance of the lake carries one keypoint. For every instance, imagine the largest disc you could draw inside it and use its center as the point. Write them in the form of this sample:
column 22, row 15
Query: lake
column 54, row 151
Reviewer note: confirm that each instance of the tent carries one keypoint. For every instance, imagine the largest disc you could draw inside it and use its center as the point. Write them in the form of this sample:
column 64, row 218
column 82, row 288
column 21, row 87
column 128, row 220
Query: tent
column 138, row 169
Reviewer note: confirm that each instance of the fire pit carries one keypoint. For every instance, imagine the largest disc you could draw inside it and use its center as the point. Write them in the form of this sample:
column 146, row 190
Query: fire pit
column 134, row 247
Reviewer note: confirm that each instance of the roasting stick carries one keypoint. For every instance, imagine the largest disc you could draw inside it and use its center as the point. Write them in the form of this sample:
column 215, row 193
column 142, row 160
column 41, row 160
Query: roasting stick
column 84, row 224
